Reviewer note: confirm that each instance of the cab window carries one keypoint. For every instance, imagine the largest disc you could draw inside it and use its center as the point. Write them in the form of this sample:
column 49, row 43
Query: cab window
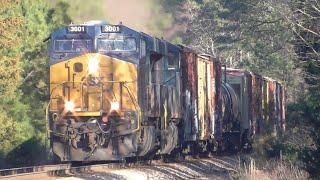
column 126, row 44
column 71, row 45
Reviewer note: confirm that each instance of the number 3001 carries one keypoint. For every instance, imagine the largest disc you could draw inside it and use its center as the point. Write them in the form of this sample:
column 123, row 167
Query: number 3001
column 77, row 29
column 109, row 28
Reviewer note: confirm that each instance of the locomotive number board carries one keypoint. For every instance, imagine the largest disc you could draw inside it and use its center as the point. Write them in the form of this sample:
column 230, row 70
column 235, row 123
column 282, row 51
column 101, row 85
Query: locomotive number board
column 77, row 29
column 111, row 29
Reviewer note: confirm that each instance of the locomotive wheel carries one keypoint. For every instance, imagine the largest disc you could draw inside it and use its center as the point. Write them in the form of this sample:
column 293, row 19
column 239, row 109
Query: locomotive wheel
column 170, row 138
column 174, row 156
column 147, row 142
column 195, row 150
column 246, row 145
column 54, row 158
column 205, row 154
column 177, row 155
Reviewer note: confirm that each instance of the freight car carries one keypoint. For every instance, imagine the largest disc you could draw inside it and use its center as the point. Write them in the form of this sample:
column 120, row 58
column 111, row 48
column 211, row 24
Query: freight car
column 257, row 105
column 116, row 93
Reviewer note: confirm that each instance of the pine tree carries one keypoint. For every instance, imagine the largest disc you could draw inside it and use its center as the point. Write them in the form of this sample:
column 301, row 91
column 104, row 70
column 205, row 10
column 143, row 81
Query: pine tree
column 11, row 29
column 307, row 46
column 11, row 25
column 249, row 34
column 40, row 22
column 23, row 75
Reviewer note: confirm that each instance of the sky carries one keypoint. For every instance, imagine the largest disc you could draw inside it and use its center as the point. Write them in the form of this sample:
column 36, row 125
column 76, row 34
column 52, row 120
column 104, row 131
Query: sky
column 143, row 15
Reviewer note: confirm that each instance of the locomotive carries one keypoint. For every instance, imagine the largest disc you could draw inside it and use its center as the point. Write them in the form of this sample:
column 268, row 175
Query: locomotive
column 116, row 93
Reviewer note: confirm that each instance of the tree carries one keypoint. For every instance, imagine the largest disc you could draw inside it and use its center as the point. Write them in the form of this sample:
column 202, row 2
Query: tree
column 305, row 25
column 249, row 34
column 40, row 22
column 11, row 29
column 11, row 25
column 23, row 74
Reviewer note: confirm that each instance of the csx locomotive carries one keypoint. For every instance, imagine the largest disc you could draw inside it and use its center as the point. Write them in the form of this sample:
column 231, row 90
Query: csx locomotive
column 116, row 93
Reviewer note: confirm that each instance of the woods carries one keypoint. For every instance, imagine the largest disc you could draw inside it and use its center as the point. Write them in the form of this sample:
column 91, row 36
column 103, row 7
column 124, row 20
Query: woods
column 23, row 78
column 278, row 39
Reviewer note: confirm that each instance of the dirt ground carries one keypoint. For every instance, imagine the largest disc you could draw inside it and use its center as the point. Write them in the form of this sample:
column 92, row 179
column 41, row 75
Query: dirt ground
column 204, row 168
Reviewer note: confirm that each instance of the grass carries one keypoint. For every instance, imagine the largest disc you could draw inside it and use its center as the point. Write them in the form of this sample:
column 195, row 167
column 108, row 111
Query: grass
column 259, row 169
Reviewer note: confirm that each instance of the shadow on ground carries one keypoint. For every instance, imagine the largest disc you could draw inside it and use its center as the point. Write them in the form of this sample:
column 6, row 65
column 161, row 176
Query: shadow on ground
column 208, row 168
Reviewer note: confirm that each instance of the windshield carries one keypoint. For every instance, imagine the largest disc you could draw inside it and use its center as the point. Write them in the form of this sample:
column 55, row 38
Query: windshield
column 72, row 45
column 127, row 44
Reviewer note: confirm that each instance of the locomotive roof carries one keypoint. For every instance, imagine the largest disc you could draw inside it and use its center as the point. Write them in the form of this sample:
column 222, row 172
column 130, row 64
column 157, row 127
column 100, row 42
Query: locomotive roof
column 93, row 29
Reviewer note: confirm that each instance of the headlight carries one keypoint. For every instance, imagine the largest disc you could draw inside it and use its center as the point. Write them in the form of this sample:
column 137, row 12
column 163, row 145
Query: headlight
column 69, row 106
column 93, row 66
column 115, row 106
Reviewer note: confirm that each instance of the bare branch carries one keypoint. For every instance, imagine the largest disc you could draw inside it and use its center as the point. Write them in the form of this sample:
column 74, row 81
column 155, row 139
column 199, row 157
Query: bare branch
column 314, row 7
column 28, row 76
column 305, row 42
column 309, row 30
column 312, row 17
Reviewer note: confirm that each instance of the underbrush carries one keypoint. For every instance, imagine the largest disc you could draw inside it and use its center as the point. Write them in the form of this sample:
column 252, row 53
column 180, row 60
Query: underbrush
column 275, row 157
column 260, row 169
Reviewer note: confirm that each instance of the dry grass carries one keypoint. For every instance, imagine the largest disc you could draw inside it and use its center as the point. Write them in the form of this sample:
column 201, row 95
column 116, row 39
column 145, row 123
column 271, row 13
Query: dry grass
column 271, row 169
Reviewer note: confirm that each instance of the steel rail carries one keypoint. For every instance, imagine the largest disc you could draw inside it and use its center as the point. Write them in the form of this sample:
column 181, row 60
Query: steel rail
column 12, row 172
column 51, row 171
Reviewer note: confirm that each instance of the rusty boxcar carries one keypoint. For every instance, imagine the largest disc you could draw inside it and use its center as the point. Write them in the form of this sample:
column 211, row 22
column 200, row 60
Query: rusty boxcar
column 201, row 84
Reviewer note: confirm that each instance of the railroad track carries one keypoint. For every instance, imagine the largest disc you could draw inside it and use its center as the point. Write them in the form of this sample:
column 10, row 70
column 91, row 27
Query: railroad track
column 48, row 170
column 68, row 170
column 58, row 170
